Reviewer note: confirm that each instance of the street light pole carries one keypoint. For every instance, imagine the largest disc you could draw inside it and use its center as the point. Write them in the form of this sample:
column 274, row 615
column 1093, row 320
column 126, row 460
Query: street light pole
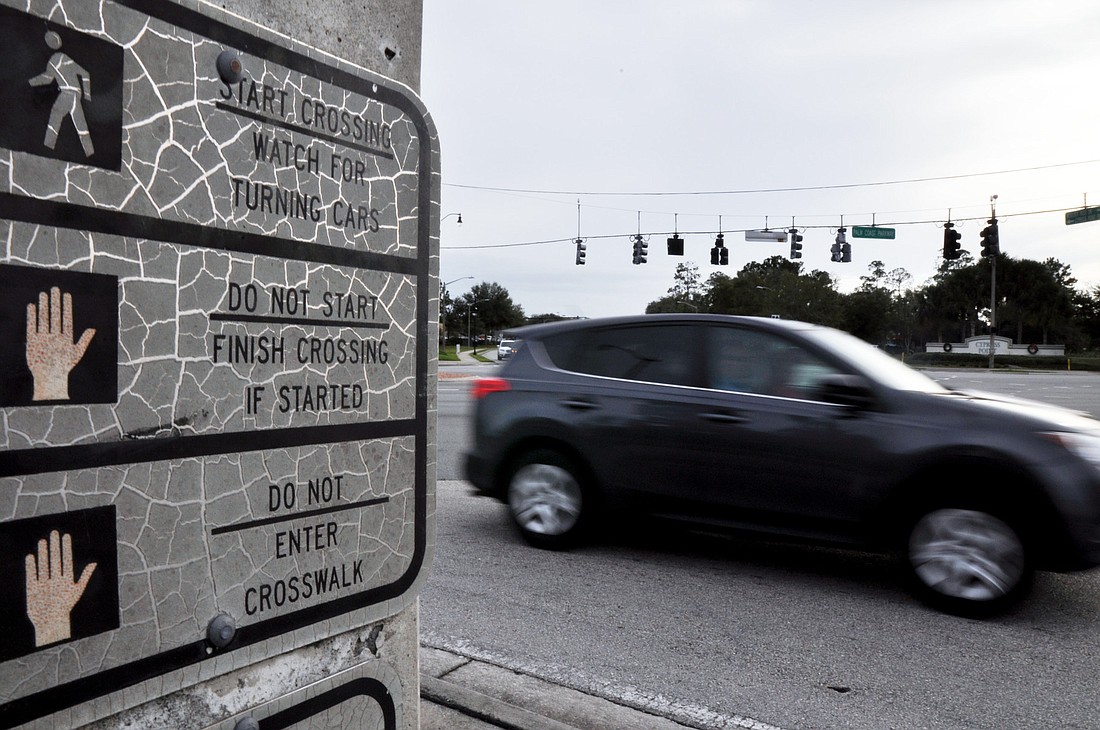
column 452, row 281
column 469, row 319
column 442, row 315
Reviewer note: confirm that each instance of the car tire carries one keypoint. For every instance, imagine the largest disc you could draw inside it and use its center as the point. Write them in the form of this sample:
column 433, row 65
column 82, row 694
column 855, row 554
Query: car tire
column 967, row 560
column 548, row 500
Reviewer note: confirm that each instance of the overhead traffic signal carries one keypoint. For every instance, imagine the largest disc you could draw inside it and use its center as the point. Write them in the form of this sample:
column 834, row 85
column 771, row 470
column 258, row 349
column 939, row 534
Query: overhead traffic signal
column 720, row 255
column 796, row 243
column 581, row 248
column 675, row 245
column 841, row 247
column 991, row 239
column 952, row 250
column 641, row 248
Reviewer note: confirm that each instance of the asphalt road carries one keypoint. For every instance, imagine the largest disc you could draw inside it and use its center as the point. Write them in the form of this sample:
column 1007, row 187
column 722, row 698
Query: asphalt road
column 712, row 631
column 1077, row 390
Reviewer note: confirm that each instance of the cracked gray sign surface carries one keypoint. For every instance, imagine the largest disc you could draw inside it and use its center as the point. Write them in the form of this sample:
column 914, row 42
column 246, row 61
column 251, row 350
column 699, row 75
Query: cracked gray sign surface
column 261, row 427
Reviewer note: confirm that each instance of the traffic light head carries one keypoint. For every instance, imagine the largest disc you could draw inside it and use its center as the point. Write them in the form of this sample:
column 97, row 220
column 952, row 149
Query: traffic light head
column 839, row 246
column 846, row 253
column 581, row 248
column 951, row 247
column 991, row 239
column 640, row 249
column 796, row 243
column 719, row 255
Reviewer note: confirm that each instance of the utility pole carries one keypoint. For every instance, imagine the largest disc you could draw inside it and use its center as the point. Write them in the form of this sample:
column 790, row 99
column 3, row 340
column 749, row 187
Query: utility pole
column 993, row 284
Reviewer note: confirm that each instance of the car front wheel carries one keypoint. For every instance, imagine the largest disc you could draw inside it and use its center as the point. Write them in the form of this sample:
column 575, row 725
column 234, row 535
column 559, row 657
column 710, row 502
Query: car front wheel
column 547, row 500
column 969, row 562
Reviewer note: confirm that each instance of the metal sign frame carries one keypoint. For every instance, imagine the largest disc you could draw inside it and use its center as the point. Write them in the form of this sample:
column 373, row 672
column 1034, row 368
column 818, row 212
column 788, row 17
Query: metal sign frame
column 62, row 214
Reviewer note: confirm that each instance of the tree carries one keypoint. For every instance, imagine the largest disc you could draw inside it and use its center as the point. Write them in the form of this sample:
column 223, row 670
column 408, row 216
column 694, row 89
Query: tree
column 1086, row 317
column 685, row 294
column 776, row 286
column 493, row 309
column 866, row 314
column 949, row 307
column 878, row 311
column 1036, row 300
column 546, row 317
column 487, row 309
column 1037, row 297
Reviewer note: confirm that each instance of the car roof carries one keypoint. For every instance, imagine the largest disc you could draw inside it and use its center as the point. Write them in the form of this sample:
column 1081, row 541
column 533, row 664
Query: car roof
column 537, row 331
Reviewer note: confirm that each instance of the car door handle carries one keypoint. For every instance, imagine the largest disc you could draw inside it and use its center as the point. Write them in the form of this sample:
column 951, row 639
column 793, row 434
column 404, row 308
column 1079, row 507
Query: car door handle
column 724, row 417
column 579, row 404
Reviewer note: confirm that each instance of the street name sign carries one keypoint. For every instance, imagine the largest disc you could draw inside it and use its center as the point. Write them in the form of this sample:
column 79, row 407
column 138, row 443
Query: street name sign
column 1084, row 215
column 216, row 289
column 872, row 232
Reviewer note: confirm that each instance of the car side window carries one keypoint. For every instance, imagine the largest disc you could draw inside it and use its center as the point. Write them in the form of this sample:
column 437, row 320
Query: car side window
column 651, row 354
column 746, row 361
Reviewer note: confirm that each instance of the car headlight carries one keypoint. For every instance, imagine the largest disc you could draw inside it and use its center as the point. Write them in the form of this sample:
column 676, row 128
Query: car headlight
column 1084, row 445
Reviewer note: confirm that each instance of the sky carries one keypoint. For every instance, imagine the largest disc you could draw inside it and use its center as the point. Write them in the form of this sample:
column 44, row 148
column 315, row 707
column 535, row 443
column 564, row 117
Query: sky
column 703, row 115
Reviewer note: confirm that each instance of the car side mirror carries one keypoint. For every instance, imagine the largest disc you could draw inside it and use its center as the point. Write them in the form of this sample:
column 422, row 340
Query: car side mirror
column 853, row 391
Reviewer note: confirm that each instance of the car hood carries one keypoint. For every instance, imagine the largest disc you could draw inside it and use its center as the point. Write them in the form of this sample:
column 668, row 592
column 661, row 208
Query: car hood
column 1042, row 415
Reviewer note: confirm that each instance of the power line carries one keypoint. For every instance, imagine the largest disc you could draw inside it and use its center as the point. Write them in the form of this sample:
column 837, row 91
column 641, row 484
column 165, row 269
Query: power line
column 838, row 186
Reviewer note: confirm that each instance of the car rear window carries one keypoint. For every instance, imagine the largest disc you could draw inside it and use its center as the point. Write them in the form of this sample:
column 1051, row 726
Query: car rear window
column 647, row 353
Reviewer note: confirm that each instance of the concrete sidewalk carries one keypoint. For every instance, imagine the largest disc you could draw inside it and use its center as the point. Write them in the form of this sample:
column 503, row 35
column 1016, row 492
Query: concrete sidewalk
column 466, row 357
column 459, row 693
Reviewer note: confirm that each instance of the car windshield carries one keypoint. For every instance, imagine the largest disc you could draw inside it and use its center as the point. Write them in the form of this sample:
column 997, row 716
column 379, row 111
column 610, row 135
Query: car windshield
column 874, row 363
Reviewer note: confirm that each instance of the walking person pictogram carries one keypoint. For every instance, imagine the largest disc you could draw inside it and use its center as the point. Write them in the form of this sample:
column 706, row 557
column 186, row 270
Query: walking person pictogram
column 74, row 87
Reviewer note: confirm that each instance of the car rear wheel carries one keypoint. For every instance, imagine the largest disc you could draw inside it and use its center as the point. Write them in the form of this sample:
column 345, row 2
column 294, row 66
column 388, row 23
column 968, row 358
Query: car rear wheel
column 547, row 499
column 969, row 562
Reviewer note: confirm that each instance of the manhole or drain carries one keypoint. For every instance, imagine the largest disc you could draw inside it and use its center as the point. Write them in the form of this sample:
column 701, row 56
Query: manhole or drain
column 839, row 688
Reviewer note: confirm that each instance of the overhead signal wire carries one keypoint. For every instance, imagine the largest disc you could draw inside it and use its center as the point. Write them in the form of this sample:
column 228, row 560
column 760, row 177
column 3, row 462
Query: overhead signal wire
column 742, row 230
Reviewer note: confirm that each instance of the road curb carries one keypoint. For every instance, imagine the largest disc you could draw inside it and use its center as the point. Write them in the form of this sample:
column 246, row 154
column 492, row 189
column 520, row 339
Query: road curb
column 483, row 707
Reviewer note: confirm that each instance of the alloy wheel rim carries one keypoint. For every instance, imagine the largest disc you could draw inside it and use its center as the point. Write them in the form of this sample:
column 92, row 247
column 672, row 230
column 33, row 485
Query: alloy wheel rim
column 545, row 499
column 966, row 554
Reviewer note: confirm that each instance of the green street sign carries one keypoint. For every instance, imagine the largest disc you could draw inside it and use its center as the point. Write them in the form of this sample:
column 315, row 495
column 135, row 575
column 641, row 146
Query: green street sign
column 1083, row 216
column 872, row 232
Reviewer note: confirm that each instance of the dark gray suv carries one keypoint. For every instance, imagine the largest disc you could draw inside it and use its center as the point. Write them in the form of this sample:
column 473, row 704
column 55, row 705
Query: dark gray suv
column 793, row 430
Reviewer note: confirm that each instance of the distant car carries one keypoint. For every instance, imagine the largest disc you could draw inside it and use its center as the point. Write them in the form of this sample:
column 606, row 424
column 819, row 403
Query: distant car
column 789, row 429
column 506, row 349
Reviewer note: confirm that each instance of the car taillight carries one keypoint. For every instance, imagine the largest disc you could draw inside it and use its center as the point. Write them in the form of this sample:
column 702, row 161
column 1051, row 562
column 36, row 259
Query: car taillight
column 484, row 386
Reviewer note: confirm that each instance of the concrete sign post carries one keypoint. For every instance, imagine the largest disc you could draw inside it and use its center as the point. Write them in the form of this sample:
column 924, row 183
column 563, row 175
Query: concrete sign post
column 218, row 271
